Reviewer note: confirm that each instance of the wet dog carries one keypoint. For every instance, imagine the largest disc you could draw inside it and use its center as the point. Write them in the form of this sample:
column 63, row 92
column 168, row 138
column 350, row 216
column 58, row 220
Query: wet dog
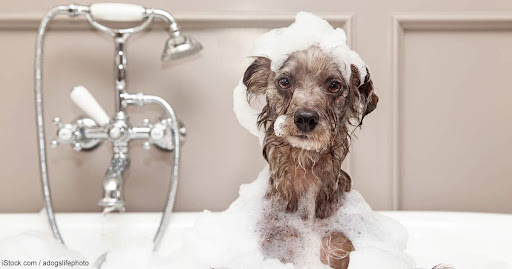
column 308, row 119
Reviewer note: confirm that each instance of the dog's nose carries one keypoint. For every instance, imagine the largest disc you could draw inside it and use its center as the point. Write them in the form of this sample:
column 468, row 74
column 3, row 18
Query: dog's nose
column 306, row 120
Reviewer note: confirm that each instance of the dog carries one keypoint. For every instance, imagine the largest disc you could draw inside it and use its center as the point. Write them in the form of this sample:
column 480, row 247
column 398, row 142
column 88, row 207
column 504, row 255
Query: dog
column 310, row 114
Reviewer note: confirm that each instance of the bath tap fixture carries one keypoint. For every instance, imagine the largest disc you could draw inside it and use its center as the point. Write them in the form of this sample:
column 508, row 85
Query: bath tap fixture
column 88, row 132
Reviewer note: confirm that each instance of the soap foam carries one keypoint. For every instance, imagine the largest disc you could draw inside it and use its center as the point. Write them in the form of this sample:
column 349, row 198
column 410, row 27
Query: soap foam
column 36, row 245
column 306, row 31
column 278, row 128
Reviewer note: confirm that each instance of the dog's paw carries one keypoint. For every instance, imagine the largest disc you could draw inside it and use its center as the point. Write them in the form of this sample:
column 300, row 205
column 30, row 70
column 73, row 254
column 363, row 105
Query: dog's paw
column 335, row 250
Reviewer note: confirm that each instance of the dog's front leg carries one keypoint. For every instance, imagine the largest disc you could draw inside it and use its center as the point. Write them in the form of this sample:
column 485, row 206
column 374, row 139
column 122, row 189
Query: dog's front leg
column 335, row 250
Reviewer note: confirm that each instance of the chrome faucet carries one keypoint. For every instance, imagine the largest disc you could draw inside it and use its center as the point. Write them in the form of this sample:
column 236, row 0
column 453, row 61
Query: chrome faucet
column 87, row 133
column 112, row 184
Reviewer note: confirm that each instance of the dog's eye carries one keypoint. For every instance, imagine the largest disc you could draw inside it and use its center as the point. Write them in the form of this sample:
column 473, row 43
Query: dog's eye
column 334, row 87
column 284, row 83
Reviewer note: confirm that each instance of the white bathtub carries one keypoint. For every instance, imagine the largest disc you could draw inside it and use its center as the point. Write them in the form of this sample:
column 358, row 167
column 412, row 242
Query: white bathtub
column 465, row 240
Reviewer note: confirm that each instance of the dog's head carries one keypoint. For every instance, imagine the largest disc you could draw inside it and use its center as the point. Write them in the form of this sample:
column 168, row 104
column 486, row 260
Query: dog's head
column 310, row 103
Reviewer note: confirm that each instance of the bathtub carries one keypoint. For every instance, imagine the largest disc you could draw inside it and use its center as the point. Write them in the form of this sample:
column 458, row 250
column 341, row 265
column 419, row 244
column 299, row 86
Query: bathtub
column 464, row 240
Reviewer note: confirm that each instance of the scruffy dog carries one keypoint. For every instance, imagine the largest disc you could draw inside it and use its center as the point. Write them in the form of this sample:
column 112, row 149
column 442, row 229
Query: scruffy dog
column 310, row 113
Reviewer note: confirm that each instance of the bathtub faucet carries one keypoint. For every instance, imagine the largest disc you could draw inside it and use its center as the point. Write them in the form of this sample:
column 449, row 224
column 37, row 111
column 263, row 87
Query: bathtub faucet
column 112, row 187
column 86, row 133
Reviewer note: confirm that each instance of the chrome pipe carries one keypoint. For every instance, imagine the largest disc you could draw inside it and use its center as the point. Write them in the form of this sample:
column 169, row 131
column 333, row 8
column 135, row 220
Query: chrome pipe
column 71, row 10
column 133, row 133
column 173, row 185
column 95, row 133
column 174, row 30
column 120, row 69
column 140, row 132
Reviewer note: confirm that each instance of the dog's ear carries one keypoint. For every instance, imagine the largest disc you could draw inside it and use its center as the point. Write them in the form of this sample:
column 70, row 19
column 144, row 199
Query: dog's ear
column 368, row 97
column 256, row 76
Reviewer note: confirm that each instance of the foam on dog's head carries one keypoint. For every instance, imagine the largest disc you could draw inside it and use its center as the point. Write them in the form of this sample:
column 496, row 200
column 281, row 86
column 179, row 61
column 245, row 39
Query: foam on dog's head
column 307, row 30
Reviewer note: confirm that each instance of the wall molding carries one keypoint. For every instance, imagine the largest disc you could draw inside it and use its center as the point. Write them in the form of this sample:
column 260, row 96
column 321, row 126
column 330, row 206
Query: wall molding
column 186, row 20
column 431, row 22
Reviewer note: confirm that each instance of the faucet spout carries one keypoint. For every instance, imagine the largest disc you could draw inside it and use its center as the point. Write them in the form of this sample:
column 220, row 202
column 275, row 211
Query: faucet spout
column 112, row 192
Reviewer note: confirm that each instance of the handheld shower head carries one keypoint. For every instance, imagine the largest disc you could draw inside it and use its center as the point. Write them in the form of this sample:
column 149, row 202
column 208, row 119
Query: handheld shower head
column 180, row 46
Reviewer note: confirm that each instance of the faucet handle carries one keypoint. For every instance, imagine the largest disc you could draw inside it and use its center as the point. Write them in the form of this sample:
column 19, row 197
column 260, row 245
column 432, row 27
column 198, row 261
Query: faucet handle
column 147, row 123
column 146, row 145
column 57, row 122
column 74, row 134
column 161, row 134
column 66, row 133
column 54, row 143
column 84, row 100
column 77, row 146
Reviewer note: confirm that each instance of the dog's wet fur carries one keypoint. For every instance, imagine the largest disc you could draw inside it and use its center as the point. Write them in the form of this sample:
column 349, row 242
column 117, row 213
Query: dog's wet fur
column 321, row 109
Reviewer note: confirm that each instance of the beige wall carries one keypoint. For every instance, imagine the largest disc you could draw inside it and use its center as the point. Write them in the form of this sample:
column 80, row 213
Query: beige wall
column 439, row 140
